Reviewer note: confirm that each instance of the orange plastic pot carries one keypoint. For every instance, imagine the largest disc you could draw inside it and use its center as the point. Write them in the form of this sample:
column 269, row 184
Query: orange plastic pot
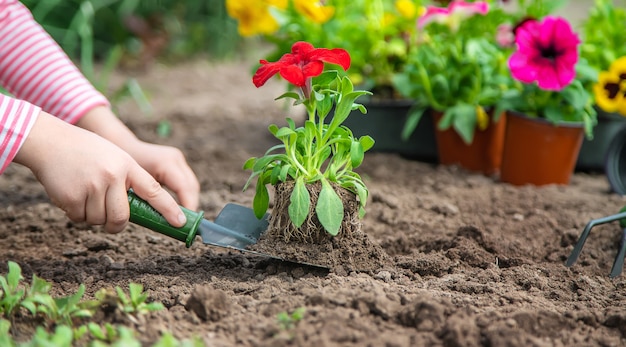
column 483, row 155
column 538, row 152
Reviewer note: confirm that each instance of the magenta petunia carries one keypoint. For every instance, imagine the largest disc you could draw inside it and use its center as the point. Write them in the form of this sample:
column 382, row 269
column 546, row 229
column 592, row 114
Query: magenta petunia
column 547, row 53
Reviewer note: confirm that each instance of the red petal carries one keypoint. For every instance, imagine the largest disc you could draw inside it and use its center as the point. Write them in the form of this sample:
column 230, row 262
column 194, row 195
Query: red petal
column 302, row 48
column 313, row 68
column 334, row 56
column 294, row 75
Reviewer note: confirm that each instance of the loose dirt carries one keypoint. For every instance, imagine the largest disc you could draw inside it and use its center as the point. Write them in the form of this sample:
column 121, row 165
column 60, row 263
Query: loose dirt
column 473, row 262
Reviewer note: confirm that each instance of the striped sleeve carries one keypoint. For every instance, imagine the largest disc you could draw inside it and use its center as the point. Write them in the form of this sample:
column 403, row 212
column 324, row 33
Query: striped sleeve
column 17, row 118
column 34, row 68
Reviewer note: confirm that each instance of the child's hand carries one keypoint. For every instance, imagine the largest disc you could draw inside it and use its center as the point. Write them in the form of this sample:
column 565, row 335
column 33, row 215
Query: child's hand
column 166, row 164
column 88, row 177
column 169, row 167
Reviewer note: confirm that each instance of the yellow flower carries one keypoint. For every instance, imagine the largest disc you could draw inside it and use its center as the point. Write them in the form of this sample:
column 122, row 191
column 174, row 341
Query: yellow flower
column 610, row 91
column 482, row 119
column 314, row 10
column 421, row 11
column 254, row 16
column 388, row 19
column 406, row 8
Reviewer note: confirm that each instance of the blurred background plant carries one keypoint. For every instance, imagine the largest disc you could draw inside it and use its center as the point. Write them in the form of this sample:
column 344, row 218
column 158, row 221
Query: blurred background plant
column 456, row 67
column 377, row 33
column 103, row 35
column 603, row 38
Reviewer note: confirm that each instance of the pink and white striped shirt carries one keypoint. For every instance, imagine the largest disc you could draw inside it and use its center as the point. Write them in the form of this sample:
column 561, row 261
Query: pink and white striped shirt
column 40, row 75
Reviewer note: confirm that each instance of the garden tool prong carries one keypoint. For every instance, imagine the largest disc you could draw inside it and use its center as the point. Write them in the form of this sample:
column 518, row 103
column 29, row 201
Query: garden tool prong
column 618, row 264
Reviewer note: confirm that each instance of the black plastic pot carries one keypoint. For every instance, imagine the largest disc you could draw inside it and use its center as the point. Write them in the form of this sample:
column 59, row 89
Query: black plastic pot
column 593, row 152
column 615, row 163
column 384, row 122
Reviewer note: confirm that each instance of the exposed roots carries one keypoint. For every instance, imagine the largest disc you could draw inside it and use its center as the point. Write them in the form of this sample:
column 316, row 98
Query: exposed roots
column 311, row 230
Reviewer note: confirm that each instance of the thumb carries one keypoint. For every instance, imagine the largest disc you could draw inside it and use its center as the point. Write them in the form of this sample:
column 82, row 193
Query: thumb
column 147, row 188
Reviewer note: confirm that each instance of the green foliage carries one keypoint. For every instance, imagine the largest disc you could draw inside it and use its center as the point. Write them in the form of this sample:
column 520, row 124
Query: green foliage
column 190, row 26
column 112, row 335
column 66, row 309
column 538, row 8
column 168, row 340
column 376, row 33
column 135, row 302
column 288, row 321
column 603, row 39
column 61, row 314
column 458, row 72
column 318, row 151
column 12, row 295
column 62, row 336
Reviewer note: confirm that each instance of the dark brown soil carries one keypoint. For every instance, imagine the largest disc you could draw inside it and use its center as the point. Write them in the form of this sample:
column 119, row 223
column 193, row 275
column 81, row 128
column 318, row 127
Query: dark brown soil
column 473, row 262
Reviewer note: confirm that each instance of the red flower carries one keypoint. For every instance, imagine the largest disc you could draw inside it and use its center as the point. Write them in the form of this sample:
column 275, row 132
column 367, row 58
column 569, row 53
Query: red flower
column 303, row 63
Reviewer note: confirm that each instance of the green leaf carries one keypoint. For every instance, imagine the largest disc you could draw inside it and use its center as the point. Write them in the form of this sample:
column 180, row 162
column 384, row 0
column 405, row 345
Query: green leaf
column 324, row 106
column 14, row 276
column 283, row 172
column 344, row 107
column 356, row 153
column 414, row 116
column 329, row 209
column 273, row 128
column 300, row 202
column 284, row 132
column 291, row 95
column 464, row 121
column 553, row 113
column 262, row 162
column 326, row 78
column 249, row 164
column 261, row 201
column 346, row 86
column 136, row 293
column 367, row 142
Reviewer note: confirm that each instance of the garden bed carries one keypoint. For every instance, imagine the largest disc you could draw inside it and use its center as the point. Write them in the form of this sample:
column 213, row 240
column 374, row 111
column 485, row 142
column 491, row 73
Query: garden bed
column 474, row 262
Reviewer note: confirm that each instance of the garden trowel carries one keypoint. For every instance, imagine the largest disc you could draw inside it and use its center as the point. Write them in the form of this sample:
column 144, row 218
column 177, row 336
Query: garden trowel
column 235, row 227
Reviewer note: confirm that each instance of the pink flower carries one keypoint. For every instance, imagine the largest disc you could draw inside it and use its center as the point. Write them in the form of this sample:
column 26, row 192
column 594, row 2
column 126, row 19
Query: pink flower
column 547, row 52
column 505, row 37
column 452, row 15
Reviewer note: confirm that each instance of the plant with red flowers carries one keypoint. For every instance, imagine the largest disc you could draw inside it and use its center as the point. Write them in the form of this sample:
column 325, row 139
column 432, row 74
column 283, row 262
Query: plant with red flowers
column 322, row 151
column 545, row 66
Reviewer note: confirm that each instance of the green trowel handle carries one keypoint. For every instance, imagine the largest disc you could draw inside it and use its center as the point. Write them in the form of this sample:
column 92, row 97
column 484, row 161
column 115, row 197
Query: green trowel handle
column 143, row 214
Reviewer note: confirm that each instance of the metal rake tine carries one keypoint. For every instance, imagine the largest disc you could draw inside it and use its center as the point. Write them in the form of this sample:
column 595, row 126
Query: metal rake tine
column 618, row 264
column 583, row 236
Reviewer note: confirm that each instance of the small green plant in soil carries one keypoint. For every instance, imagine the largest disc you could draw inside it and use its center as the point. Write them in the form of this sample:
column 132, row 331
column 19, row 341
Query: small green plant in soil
column 135, row 302
column 288, row 321
column 63, row 321
column 322, row 150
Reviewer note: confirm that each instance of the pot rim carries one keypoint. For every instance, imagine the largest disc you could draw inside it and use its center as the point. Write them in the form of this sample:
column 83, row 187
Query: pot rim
column 543, row 120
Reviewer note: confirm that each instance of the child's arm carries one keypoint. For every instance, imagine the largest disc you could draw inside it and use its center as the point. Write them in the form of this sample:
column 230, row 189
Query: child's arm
column 34, row 68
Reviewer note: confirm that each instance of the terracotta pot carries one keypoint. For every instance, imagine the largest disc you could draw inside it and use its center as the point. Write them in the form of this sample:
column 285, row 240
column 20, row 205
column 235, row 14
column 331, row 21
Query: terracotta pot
column 483, row 155
column 538, row 152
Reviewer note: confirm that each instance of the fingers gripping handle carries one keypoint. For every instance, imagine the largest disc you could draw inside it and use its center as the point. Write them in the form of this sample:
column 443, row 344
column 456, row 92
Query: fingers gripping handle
column 143, row 214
